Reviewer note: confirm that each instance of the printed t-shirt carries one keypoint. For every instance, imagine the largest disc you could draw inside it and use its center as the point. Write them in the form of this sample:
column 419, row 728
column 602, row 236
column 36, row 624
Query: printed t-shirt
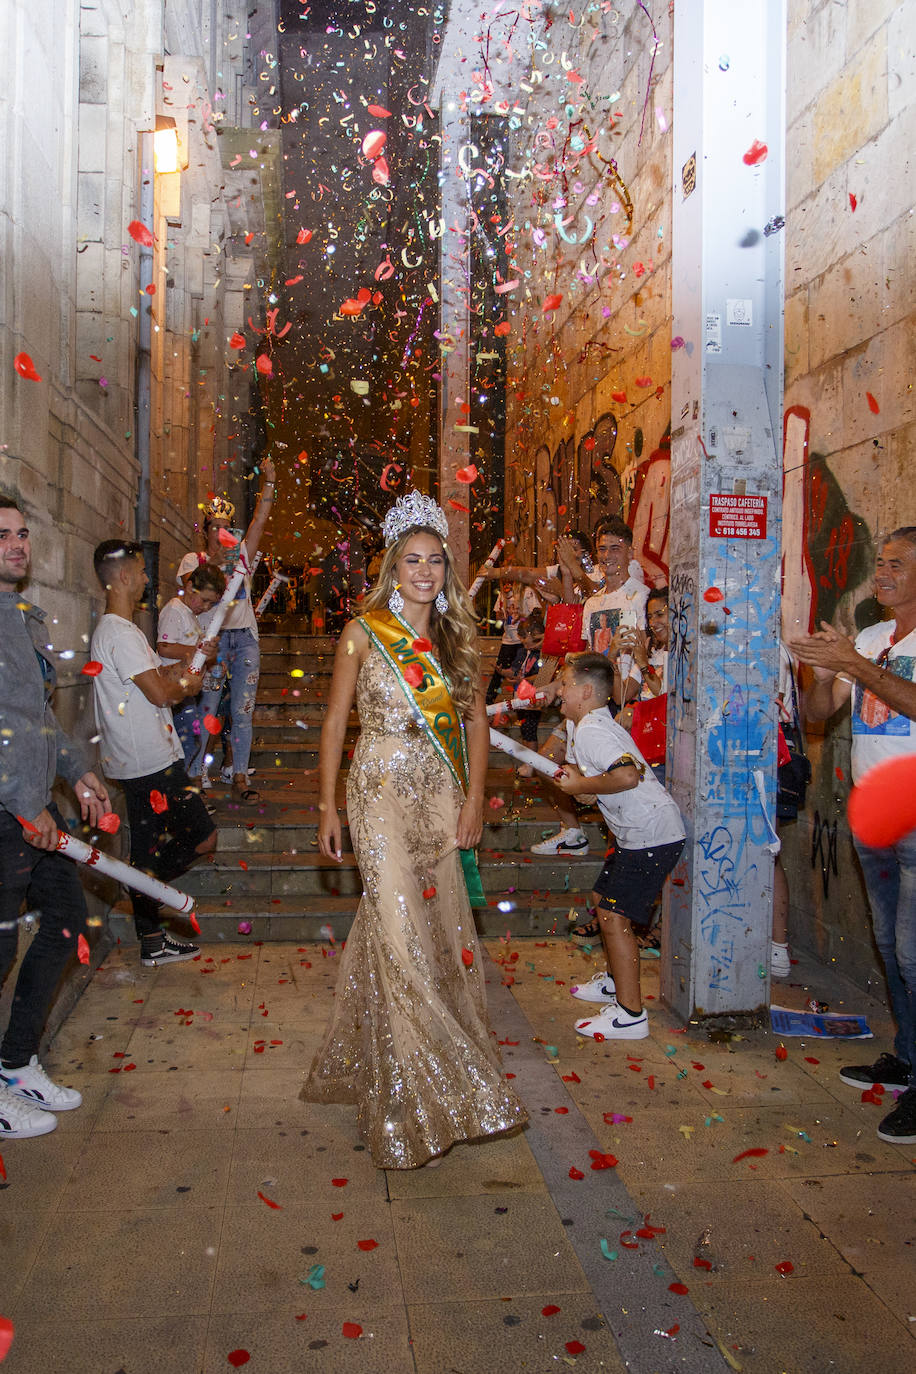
column 603, row 614
column 137, row 737
column 878, row 733
column 644, row 815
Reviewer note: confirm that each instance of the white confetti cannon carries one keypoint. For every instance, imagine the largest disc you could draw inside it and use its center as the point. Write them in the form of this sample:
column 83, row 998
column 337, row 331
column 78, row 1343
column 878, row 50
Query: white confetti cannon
column 489, row 562
column 83, row 853
column 549, row 767
column 268, row 596
column 516, row 704
column 221, row 609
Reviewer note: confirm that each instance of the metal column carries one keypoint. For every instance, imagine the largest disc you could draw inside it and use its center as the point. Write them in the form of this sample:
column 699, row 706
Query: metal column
column 726, row 486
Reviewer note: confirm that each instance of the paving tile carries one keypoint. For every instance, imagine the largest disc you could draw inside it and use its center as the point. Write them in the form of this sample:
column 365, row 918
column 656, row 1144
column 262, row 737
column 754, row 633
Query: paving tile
column 149, row 1169
column 312, row 1338
column 805, row 1326
column 123, row 1264
column 38, row 1170
column 504, row 1164
column 266, row 1254
column 298, row 1166
column 837, row 1145
column 283, row 1045
column 159, row 1345
column 472, row 1247
column 514, row 1334
column 171, row 1101
column 749, row 1225
column 204, row 1046
column 22, row 1232
column 270, row 1097
column 873, row 1226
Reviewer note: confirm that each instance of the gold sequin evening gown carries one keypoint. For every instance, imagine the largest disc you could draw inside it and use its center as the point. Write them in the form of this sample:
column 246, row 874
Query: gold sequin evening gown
column 409, row 1042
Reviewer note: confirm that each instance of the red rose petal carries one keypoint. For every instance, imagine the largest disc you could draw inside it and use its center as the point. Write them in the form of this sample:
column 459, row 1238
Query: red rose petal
column 784, row 1267
column 852, row 202
column 872, row 404
column 550, row 1310
column 352, row 1330
column 781, row 1053
column 421, row 646
column 238, row 1357
column 467, row 957
column 620, row 397
column 140, row 234
column 413, row 674
column 82, row 949
column 91, row 669
column 110, row 823
column 340, row 1182
column 226, row 538
column 429, row 893
column 367, row 1244
column 304, row 236
column 757, row 1153
column 212, row 724
column 467, row 475
column 158, row 802
column 713, row 594
column 6, row 1337
column 194, row 923
column 575, row 1347
column 575, row 1173
column 264, row 365
column 237, row 341
column 2, row 1169
column 755, row 154
column 680, row 1288
column 552, row 302
column 270, row 1202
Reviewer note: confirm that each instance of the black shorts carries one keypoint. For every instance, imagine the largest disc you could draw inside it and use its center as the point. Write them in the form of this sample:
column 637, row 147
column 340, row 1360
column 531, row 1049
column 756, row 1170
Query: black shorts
column 632, row 879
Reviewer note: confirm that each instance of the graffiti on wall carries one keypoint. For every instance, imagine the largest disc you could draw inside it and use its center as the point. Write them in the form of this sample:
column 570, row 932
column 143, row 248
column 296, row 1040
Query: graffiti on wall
column 649, row 512
column 826, row 548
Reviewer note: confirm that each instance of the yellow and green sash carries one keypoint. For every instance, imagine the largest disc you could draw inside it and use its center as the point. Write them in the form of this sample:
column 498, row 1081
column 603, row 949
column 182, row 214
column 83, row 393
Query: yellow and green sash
column 432, row 700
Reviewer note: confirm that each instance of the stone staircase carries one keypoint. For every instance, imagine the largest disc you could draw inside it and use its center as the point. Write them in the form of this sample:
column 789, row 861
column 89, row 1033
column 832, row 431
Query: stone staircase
column 267, row 872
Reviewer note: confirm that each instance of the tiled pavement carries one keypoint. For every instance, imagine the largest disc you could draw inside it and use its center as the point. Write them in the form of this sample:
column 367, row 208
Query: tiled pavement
column 141, row 1237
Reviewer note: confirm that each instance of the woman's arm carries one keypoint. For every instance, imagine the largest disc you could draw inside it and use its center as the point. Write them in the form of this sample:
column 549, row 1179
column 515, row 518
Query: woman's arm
column 470, row 819
column 351, row 651
column 255, row 531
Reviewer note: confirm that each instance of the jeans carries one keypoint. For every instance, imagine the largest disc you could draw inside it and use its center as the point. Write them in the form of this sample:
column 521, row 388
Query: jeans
column 890, row 880
column 49, row 884
column 241, row 652
column 164, row 843
column 188, row 718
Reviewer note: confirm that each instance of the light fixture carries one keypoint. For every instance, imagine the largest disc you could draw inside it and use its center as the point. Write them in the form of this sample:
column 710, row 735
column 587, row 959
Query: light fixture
column 165, row 145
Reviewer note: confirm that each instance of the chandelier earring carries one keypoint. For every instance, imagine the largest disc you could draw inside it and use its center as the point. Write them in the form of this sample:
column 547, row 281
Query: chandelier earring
column 441, row 602
column 396, row 602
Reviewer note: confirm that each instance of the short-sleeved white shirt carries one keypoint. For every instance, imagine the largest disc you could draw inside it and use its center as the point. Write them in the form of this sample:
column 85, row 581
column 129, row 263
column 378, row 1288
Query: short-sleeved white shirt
column 178, row 624
column 604, row 613
column 878, row 733
column 137, row 737
column 644, row 815
column 240, row 615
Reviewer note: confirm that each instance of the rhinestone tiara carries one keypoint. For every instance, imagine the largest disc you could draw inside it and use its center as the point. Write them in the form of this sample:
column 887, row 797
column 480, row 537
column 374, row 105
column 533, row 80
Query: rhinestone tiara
column 413, row 511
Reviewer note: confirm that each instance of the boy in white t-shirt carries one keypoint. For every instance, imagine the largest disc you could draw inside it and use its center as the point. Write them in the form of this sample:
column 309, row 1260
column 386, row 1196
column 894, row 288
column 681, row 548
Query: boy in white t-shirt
column 180, row 633
column 169, row 825
column 601, row 759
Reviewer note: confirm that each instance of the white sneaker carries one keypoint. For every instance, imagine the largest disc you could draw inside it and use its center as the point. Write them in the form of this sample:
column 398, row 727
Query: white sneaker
column 780, row 963
column 598, row 989
column 613, row 1023
column 20, row 1120
column 32, row 1084
column 564, row 842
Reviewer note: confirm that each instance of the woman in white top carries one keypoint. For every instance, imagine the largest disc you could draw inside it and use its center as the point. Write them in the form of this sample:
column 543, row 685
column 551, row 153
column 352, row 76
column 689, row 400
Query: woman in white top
column 239, row 649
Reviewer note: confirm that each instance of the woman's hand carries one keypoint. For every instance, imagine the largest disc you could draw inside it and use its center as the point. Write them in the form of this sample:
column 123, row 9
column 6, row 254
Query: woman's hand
column 635, row 643
column 268, row 471
column 329, row 832
column 470, row 823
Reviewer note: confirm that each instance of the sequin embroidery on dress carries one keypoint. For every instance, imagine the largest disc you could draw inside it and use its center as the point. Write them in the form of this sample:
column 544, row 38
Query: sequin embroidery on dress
column 409, row 1042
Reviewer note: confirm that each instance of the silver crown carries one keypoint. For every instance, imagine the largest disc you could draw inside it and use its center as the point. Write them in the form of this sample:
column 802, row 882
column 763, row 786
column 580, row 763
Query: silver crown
column 413, row 511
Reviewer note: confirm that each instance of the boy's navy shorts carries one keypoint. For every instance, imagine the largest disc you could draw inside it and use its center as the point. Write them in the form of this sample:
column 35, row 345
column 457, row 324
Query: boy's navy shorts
column 632, row 879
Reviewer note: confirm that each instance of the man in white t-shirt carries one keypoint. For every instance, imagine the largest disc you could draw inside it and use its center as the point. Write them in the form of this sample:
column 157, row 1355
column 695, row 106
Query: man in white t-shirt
column 878, row 673
column 170, row 827
column 601, row 760
column 622, row 602
column 180, row 634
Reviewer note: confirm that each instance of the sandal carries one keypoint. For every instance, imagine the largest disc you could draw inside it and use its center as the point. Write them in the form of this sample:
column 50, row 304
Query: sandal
column 589, row 931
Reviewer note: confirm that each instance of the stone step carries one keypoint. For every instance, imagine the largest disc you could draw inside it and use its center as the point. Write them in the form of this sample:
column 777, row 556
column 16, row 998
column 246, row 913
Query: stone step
column 292, row 918
column 294, row 872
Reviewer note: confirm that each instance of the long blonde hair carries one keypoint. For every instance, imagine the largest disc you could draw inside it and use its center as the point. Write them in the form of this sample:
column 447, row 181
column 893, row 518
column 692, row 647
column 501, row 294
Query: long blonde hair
column 454, row 634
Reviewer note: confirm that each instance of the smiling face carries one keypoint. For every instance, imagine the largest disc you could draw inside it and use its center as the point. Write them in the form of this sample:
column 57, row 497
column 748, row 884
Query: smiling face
column 657, row 621
column 15, row 547
column 575, row 699
column 613, row 553
column 420, row 570
column 895, row 575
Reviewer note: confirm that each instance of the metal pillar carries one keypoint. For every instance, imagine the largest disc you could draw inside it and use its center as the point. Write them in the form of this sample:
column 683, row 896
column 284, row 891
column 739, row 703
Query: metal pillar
column 726, row 484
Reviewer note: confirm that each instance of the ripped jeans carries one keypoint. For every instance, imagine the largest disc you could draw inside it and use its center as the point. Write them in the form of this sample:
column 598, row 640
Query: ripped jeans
column 240, row 652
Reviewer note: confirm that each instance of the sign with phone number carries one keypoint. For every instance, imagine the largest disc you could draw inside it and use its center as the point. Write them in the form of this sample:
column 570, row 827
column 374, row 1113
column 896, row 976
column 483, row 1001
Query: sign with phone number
column 737, row 517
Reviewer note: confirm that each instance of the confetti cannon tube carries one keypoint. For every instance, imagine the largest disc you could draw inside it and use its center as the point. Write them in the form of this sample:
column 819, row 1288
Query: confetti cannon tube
column 266, row 599
column 489, row 562
column 549, row 767
column 221, row 610
column 516, row 704
column 82, row 853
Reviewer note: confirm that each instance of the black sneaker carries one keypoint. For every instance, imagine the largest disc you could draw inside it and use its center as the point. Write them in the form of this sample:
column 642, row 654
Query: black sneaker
column 899, row 1126
column 892, row 1073
column 165, row 949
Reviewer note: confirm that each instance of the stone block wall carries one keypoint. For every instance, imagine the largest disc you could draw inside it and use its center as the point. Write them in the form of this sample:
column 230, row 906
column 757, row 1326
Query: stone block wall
column 589, row 397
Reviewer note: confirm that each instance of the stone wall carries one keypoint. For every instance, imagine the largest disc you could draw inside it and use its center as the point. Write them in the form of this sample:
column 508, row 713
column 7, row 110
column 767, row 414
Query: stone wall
column 589, row 393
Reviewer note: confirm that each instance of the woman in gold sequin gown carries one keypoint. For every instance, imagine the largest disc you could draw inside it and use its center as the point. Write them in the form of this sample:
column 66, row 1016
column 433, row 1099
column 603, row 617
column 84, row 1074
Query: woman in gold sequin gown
column 409, row 1042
